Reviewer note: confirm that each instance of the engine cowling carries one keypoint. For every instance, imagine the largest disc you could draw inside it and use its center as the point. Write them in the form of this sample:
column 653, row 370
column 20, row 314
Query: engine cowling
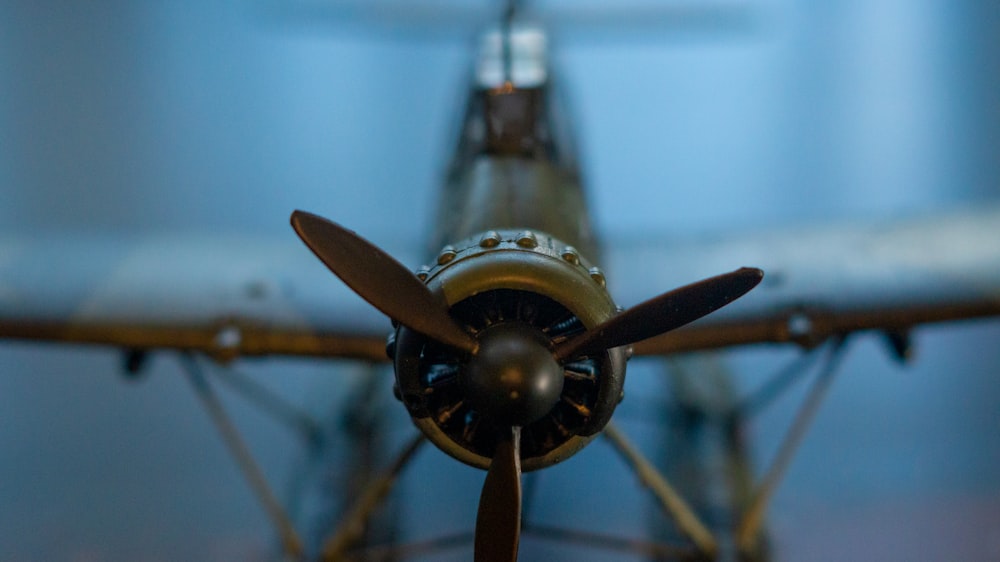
column 526, row 281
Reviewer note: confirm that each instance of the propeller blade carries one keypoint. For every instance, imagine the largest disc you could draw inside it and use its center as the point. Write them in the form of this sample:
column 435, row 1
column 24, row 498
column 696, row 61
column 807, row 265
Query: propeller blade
column 661, row 314
column 381, row 280
column 498, row 523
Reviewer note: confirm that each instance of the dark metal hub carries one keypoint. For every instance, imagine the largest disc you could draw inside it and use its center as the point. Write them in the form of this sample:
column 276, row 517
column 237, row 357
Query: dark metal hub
column 513, row 379
column 433, row 380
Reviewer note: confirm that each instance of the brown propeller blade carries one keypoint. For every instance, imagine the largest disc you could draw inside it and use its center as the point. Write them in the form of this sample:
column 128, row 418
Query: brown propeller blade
column 666, row 312
column 381, row 280
column 498, row 523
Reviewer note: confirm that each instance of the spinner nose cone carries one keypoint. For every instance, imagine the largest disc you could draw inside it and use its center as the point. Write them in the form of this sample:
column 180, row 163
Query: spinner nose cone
column 513, row 379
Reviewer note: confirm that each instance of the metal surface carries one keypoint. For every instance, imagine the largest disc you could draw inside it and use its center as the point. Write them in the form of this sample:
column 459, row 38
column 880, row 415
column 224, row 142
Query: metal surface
column 664, row 313
column 524, row 262
column 498, row 522
column 515, row 164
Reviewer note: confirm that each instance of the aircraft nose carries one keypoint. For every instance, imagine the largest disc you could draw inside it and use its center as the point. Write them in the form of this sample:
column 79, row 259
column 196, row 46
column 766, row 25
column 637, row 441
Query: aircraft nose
column 513, row 379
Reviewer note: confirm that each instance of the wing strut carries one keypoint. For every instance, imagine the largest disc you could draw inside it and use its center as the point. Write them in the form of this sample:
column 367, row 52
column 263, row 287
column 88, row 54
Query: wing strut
column 268, row 401
column 749, row 526
column 672, row 502
column 251, row 470
column 352, row 526
column 776, row 386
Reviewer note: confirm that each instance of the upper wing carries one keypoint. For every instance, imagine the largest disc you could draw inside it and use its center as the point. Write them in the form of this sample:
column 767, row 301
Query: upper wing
column 821, row 281
column 241, row 296
column 225, row 296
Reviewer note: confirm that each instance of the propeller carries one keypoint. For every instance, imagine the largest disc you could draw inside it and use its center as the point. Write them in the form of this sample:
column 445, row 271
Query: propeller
column 661, row 314
column 513, row 377
column 381, row 280
column 498, row 522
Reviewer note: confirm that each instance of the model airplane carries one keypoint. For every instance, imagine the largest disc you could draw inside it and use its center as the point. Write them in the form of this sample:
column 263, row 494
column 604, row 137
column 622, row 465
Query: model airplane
column 508, row 349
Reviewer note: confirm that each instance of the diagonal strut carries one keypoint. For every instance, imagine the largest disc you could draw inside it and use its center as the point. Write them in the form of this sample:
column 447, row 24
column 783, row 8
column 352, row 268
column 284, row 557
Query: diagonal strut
column 244, row 458
column 749, row 525
column 669, row 499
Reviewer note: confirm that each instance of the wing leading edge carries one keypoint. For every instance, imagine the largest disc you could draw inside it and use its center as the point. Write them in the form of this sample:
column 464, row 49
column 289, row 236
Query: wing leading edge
column 224, row 296
column 825, row 281
column 240, row 296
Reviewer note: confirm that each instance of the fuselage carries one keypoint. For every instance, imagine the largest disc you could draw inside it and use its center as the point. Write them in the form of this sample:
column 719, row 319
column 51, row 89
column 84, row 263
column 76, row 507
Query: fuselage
column 513, row 244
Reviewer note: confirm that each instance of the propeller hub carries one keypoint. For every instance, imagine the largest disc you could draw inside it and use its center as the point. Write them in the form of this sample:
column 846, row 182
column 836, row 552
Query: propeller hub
column 513, row 379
